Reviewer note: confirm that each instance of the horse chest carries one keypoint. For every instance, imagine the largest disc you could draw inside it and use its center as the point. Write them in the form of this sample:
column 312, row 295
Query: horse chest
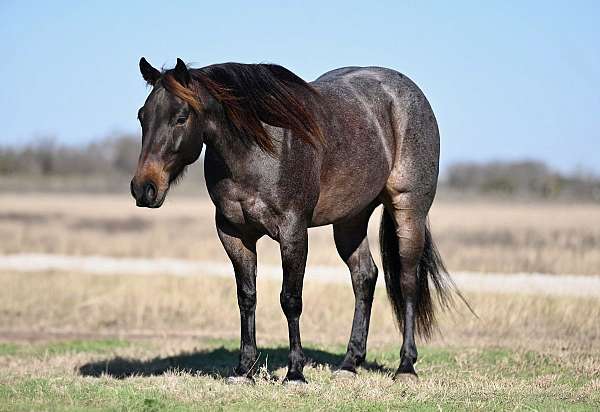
column 244, row 209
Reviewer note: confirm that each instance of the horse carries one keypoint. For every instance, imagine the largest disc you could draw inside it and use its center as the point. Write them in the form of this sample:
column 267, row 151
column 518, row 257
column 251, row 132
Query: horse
column 283, row 155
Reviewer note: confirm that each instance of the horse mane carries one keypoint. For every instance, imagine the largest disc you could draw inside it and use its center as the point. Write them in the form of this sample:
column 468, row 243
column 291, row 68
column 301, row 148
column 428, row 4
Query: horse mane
column 253, row 94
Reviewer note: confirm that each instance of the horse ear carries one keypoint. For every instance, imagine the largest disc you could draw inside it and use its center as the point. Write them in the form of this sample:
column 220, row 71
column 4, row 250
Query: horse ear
column 181, row 73
column 149, row 73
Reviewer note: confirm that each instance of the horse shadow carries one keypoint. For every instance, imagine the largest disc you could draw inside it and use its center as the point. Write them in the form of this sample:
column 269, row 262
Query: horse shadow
column 218, row 362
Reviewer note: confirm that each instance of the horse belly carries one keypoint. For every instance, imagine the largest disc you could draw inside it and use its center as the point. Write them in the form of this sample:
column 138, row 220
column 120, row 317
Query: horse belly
column 350, row 185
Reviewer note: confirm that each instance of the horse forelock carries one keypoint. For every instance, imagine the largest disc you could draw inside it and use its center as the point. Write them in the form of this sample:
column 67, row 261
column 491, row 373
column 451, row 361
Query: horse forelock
column 186, row 94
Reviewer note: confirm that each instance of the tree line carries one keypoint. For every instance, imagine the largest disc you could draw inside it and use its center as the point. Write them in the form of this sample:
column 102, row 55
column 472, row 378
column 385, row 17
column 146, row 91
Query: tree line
column 45, row 157
column 114, row 158
column 527, row 178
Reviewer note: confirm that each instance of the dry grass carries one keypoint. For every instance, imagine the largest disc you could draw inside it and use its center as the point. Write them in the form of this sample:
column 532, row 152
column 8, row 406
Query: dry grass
column 477, row 236
column 519, row 237
column 156, row 305
column 176, row 337
column 525, row 352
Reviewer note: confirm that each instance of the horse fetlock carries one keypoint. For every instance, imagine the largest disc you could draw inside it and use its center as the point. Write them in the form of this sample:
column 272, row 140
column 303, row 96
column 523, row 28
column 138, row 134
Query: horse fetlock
column 406, row 367
column 295, row 367
column 409, row 354
column 247, row 360
column 357, row 351
column 296, row 360
column 351, row 362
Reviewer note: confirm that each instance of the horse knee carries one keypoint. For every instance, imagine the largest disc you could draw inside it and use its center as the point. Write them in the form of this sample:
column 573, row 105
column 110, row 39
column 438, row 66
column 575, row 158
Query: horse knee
column 291, row 304
column 247, row 300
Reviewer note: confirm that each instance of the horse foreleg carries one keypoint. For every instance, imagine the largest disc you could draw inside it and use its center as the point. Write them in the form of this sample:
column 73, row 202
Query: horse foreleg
column 241, row 249
column 294, row 249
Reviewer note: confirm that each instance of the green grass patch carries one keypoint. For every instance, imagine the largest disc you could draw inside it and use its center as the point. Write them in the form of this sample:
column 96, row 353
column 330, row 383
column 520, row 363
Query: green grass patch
column 136, row 376
column 8, row 349
column 62, row 347
column 78, row 346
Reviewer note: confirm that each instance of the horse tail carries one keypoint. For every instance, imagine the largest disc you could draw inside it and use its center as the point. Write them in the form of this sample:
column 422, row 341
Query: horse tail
column 430, row 268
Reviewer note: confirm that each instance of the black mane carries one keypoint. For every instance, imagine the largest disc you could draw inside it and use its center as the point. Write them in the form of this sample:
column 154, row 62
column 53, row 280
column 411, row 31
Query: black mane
column 253, row 94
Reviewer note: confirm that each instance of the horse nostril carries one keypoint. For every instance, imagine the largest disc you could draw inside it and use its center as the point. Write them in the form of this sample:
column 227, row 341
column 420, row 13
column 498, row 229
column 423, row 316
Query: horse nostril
column 150, row 192
column 132, row 190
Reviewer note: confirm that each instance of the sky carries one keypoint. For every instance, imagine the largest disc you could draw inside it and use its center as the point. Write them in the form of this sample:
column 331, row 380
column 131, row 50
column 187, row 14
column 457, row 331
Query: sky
column 507, row 80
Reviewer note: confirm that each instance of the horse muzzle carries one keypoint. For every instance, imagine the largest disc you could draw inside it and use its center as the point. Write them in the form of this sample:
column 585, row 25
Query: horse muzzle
column 146, row 194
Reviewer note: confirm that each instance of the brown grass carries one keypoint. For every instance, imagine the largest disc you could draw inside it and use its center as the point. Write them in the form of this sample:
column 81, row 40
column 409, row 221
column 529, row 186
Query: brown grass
column 73, row 303
column 476, row 236
column 523, row 352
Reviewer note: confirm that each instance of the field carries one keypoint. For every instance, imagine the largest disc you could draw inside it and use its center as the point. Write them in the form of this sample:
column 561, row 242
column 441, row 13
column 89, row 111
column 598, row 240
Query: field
column 72, row 340
column 481, row 236
column 153, row 342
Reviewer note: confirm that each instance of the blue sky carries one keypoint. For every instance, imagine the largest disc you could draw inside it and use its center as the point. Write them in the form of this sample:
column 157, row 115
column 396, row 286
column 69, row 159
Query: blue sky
column 509, row 80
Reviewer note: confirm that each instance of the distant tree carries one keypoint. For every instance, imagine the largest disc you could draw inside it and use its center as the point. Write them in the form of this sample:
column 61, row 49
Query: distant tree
column 126, row 152
column 44, row 153
column 520, row 178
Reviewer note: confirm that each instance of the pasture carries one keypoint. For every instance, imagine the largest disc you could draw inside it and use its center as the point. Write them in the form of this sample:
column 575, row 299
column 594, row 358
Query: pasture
column 71, row 340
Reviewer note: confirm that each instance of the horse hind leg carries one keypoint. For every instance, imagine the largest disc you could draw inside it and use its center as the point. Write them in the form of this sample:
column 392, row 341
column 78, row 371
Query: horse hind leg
column 353, row 247
column 402, row 240
column 409, row 257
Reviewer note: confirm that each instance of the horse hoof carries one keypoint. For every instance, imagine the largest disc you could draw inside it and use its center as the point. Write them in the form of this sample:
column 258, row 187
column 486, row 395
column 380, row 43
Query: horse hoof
column 294, row 378
column 344, row 374
column 239, row 380
column 406, row 378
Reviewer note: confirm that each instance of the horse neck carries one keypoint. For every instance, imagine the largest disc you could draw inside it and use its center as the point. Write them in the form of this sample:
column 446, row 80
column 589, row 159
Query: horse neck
column 234, row 151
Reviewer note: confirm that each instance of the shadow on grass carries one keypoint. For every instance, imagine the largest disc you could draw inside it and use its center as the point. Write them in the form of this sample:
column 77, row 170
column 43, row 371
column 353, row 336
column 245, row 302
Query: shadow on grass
column 217, row 362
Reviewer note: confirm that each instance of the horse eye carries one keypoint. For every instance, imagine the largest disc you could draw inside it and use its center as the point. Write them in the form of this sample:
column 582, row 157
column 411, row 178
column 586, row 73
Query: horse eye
column 181, row 120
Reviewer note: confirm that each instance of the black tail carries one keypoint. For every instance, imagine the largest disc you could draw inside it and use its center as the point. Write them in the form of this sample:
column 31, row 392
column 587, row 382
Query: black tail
column 430, row 267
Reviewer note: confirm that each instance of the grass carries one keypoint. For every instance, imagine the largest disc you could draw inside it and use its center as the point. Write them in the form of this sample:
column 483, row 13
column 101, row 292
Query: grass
column 61, row 347
column 477, row 236
column 73, row 341
column 451, row 379
column 84, row 306
column 82, row 342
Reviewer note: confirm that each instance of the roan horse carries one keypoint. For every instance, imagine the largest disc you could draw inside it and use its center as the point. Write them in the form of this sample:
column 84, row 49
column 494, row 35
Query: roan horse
column 283, row 155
